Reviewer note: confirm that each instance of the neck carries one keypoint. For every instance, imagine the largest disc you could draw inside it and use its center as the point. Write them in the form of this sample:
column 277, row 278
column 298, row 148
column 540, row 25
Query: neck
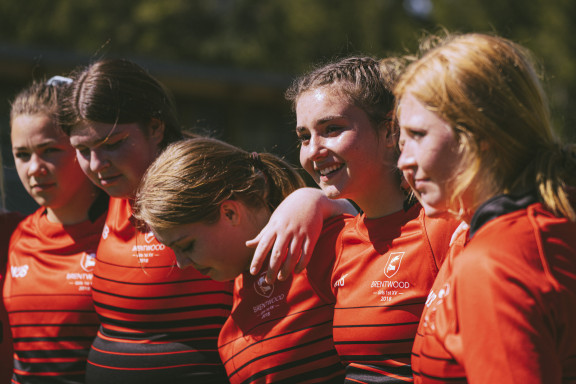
column 75, row 211
column 381, row 198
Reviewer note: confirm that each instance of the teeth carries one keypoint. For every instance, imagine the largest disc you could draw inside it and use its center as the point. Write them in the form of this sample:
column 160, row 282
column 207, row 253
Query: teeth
column 325, row 171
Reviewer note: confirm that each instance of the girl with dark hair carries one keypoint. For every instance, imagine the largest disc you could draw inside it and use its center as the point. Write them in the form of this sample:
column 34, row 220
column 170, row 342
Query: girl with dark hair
column 159, row 324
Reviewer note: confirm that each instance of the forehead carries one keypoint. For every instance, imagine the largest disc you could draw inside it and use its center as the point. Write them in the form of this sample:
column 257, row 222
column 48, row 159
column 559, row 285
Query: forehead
column 90, row 134
column 35, row 126
column 413, row 113
column 324, row 103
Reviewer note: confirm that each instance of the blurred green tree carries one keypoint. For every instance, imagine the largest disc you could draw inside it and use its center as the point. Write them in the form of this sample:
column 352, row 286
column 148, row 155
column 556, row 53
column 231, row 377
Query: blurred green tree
column 291, row 35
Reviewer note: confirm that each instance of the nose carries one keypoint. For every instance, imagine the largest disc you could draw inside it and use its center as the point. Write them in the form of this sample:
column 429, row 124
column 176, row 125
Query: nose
column 316, row 148
column 406, row 160
column 37, row 166
column 98, row 161
column 181, row 260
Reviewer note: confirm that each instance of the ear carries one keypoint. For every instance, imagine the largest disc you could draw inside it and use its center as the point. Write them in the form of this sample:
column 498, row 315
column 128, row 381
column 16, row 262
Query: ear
column 231, row 211
column 156, row 130
column 387, row 133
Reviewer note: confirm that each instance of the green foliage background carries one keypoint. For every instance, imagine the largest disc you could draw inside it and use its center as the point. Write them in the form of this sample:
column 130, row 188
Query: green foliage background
column 288, row 36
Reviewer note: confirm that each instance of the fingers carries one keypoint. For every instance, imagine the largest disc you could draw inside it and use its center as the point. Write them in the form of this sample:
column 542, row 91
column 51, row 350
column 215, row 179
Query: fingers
column 277, row 258
column 263, row 245
column 291, row 259
column 304, row 257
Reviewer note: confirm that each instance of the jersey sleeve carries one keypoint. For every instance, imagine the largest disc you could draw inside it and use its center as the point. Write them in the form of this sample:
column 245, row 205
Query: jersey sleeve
column 506, row 332
column 321, row 264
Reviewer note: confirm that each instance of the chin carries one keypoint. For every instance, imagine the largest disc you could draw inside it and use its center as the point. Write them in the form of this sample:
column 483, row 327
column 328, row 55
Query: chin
column 433, row 211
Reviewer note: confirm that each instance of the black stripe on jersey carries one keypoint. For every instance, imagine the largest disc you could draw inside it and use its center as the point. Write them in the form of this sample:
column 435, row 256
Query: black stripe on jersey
column 378, row 374
column 461, row 379
column 61, row 378
column 364, row 342
column 163, row 324
column 191, row 294
column 61, row 325
column 303, row 345
column 276, row 319
column 185, row 281
column 375, row 358
column 104, row 346
column 377, row 325
column 272, row 338
column 163, row 337
column 298, row 378
column 190, row 308
column 52, row 353
column 404, row 304
column 74, row 367
column 56, row 339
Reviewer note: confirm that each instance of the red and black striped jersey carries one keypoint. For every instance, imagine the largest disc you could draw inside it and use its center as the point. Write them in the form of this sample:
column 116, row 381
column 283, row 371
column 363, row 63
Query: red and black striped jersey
column 8, row 223
column 503, row 308
column 283, row 332
column 159, row 323
column 48, row 297
column 383, row 273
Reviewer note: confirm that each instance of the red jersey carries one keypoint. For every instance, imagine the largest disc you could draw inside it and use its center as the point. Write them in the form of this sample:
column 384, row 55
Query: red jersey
column 283, row 332
column 48, row 299
column 503, row 309
column 160, row 324
column 8, row 222
column 383, row 273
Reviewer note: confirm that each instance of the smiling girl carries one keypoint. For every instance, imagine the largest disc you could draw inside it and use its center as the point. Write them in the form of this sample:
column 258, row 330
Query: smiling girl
column 389, row 255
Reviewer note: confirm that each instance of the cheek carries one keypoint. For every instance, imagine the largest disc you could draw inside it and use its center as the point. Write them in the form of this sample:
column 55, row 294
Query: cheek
column 305, row 160
column 84, row 164
column 22, row 170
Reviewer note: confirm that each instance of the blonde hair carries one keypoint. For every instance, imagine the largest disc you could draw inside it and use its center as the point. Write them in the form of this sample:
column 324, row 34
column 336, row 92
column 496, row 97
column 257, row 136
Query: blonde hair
column 189, row 181
column 488, row 90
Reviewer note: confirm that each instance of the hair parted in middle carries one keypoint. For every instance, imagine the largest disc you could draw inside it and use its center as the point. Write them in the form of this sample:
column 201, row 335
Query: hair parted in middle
column 189, row 181
column 119, row 91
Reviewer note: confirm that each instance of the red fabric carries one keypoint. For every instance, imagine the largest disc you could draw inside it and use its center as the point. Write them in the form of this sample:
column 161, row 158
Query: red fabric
column 8, row 222
column 503, row 309
column 284, row 331
column 48, row 298
column 149, row 307
column 384, row 271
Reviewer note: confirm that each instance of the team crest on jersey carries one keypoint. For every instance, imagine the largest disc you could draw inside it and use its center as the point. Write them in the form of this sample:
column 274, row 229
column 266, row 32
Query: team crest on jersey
column 149, row 237
column 105, row 232
column 393, row 264
column 88, row 261
column 262, row 287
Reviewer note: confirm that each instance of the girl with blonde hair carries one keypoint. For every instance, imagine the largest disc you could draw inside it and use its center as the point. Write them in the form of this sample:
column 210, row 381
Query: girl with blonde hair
column 477, row 143
column 205, row 198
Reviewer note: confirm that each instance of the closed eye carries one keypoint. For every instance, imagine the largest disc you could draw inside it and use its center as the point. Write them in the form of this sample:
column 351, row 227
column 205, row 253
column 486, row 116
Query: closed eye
column 188, row 247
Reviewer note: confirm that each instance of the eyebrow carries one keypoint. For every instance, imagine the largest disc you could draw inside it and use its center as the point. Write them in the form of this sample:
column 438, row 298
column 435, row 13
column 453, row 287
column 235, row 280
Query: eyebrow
column 40, row 146
column 98, row 142
column 322, row 121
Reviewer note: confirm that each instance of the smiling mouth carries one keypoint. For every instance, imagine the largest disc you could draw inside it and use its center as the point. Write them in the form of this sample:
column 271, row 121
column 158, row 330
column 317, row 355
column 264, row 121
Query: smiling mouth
column 330, row 170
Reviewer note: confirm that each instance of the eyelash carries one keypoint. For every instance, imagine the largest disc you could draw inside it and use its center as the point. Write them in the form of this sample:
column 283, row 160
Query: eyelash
column 188, row 247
